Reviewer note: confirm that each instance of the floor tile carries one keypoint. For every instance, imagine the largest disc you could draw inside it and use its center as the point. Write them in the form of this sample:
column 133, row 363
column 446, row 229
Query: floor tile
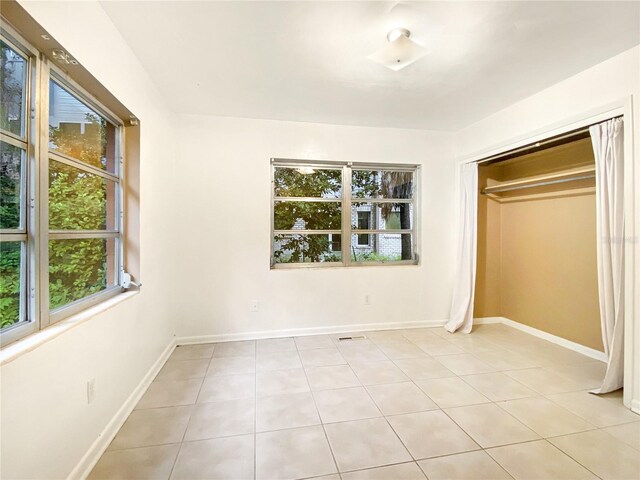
column 154, row 426
column 398, row 398
column 544, row 417
column 628, row 433
column 170, row 394
column 292, row 454
column 286, row 411
column 416, row 335
column 451, row 392
column 438, row 346
column 386, row 336
column 423, row 368
column 245, row 348
column 400, row 471
column 283, row 360
column 221, row 419
column 498, row 386
column 431, row 434
column 219, row 458
column 231, row 365
column 227, row 387
column 595, row 409
column 345, row 404
column 338, row 376
column 543, row 381
column 362, row 353
column 192, row 352
column 588, row 375
column 473, row 343
column 321, row 357
column 464, row 466
column 465, row 364
column 505, row 360
column 311, row 342
column 490, row 426
column 183, row 370
column 270, row 345
column 401, row 350
column 538, row 460
column 601, row 453
column 281, row 382
column 148, row 462
column 365, row 444
column 376, row 373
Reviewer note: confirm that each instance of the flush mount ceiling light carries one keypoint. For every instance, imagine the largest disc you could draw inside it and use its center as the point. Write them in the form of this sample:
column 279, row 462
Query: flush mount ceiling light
column 305, row 170
column 400, row 52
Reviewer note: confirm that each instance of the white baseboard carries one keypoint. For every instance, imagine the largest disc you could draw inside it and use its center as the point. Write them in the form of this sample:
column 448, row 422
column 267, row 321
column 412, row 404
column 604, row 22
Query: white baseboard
column 487, row 320
column 300, row 332
column 91, row 457
column 635, row 406
column 563, row 342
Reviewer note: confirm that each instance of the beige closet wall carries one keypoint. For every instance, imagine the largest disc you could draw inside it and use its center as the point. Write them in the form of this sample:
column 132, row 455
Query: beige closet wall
column 537, row 252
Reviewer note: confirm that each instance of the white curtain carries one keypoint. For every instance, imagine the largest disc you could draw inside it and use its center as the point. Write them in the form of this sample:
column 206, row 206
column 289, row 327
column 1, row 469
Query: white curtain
column 461, row 316
column 607, row 140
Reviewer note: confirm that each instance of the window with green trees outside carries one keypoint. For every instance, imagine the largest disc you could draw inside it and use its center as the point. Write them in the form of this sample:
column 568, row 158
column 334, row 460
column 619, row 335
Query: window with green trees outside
column 60, row 194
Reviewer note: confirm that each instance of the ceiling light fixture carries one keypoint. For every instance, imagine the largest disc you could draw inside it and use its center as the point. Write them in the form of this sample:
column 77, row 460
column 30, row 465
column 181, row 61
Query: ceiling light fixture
column 306, row 170
column 400, row 52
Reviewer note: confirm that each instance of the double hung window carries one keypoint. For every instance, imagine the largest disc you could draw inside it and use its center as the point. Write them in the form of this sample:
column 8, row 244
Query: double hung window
column 343, row 214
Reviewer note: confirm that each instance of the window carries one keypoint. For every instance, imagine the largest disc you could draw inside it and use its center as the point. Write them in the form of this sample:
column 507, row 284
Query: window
column 335, row 214
column 364, row 223
column 60, row 194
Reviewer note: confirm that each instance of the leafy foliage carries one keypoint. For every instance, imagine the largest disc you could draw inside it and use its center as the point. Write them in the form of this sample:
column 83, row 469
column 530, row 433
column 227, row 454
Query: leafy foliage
column 320, row 183
column 77, row 201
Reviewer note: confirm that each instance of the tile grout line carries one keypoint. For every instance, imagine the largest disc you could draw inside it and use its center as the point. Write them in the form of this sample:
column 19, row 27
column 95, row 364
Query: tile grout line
column 315, row 404
column 193, row 406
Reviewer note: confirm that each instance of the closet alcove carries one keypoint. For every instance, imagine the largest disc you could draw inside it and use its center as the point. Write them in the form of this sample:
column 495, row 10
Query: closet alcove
column 536, row 262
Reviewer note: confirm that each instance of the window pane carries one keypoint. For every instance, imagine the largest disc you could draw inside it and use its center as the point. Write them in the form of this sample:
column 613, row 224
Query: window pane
column 383, row 247
column 13, row 78
column 79, row 200
column 381, row 184
column 381, row 216
column 11, row 176
column 11, row 288
column 78, row 131
column 307, row 182
column 307, row 216
column 313, row 248
column 79, row 268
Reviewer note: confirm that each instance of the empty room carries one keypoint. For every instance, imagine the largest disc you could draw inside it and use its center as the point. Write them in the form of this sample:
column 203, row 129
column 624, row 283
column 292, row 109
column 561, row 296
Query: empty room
column 331, row 240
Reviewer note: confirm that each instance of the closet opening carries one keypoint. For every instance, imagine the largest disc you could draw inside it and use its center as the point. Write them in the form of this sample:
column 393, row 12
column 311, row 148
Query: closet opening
column 536, row 243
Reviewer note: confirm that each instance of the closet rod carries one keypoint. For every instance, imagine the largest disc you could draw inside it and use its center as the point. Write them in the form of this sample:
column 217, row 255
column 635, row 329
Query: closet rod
column 567, row 137
column 485, row 191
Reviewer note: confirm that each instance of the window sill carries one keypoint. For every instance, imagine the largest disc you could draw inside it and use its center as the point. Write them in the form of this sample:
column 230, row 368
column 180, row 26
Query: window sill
column 33, row 341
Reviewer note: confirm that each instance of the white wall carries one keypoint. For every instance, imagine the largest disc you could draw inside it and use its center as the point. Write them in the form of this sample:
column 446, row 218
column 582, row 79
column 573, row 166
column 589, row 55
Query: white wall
column 606, row 83
column 224, row 180
column 47, row 425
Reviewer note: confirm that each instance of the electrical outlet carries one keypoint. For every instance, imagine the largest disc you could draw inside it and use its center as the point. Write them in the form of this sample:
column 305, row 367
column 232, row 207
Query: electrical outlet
column 91, row 390
column 367, row 299
column 253, row 306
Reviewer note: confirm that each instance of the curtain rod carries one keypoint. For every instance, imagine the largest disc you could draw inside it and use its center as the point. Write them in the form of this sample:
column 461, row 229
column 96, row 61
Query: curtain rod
column 550, row 142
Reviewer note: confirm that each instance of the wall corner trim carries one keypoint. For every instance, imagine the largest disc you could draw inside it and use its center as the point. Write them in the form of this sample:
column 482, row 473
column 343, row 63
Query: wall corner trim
column 90, row 458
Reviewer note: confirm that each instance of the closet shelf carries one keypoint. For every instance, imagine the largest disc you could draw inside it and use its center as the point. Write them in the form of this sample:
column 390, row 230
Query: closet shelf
column 542, row 180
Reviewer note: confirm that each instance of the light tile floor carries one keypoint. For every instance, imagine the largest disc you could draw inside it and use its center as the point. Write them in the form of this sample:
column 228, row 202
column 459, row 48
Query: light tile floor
column 402, row 404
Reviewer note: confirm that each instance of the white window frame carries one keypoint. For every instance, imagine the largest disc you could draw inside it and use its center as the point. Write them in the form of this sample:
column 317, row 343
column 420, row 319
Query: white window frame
column 35, row 277
column 347, row 231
